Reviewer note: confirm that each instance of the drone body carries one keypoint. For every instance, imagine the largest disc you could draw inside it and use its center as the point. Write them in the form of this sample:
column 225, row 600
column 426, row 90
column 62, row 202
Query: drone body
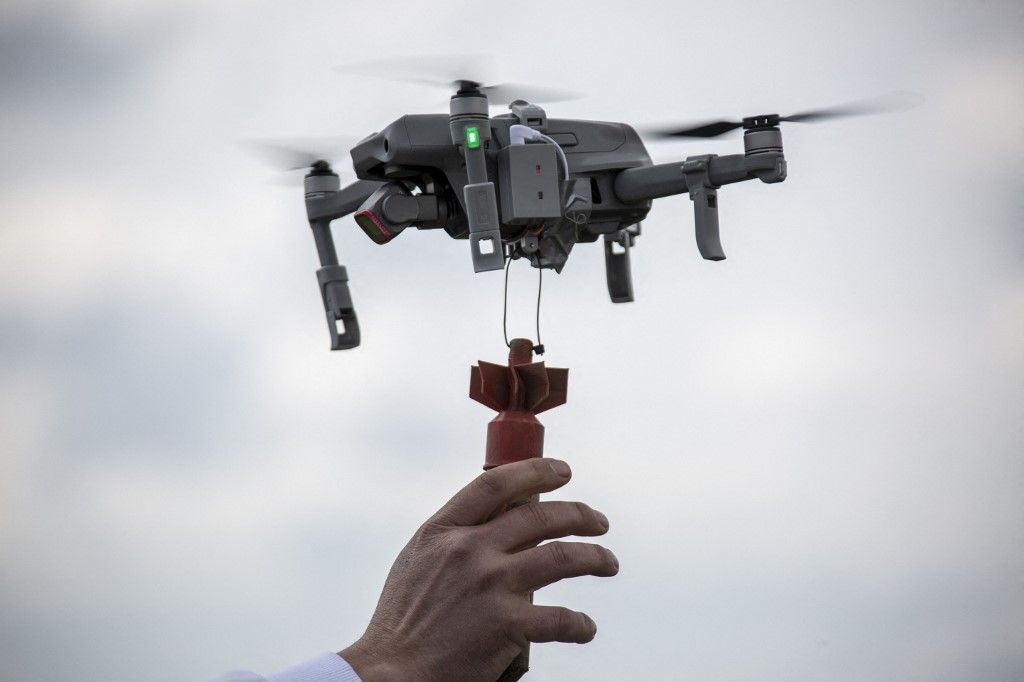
column 519, row 185
column 418, row 149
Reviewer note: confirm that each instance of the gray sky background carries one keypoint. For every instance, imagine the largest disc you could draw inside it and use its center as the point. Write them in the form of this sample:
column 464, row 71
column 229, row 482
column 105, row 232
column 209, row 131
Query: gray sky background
column 810, row 453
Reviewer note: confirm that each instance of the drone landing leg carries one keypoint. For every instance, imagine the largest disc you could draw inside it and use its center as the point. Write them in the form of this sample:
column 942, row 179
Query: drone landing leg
column 518, row 392
column 333, row 281
column 326, row 201
column 704, row 195
column 617, row 264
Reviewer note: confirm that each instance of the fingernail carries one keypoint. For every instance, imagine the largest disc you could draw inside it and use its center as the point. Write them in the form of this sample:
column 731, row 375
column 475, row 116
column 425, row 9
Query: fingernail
column 560, row 468
column 602, row 519
column 615, row 559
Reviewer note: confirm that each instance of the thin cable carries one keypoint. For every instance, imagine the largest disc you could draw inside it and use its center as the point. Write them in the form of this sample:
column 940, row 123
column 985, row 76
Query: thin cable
column 504, row 306
column 539, row 348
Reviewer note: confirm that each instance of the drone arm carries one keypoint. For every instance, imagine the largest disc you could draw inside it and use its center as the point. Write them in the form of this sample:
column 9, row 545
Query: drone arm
column 667, row 179
column 324, row 203
column 331, row 205
column 701, row 176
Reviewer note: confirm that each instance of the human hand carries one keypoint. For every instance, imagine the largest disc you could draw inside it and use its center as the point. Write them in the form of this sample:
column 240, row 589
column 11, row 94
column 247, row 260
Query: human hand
column 456, row 603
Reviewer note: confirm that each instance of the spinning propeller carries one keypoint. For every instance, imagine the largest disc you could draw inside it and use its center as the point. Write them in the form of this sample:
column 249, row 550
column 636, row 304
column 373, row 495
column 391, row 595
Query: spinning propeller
column 301, row 154
column 715, row 128
column 461, row 73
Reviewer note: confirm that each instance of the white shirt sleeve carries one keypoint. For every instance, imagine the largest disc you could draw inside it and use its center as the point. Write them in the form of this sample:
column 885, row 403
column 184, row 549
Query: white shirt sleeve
column 323, row 668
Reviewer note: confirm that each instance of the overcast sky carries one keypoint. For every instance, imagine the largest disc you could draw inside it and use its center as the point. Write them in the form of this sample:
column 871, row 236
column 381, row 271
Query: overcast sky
column 810, row 452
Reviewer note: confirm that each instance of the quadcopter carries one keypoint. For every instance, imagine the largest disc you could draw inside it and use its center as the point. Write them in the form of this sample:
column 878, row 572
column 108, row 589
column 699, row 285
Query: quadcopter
column 523, row 185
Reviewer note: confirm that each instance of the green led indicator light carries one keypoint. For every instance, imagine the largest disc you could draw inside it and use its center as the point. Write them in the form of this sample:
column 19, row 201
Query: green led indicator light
column 472, row 137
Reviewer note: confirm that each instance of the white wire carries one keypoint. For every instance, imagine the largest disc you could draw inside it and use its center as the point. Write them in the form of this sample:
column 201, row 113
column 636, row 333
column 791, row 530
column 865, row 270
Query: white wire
column 519, row 134
column 561, row 153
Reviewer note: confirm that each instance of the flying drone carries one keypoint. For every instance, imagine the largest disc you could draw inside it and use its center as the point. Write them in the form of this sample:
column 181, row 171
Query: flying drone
column 523, row 185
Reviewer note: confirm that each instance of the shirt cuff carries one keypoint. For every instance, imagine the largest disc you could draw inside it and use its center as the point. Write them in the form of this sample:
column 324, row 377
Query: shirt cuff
column 324, row 668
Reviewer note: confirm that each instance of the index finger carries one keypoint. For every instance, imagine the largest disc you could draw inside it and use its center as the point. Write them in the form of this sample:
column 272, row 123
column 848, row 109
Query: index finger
column 497, row 487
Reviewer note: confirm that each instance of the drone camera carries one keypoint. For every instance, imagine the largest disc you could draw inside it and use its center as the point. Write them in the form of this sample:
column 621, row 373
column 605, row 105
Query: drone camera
column 387, row 212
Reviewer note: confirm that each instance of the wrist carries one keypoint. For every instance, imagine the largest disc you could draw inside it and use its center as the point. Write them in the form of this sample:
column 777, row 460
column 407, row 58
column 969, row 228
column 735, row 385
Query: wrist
column 368, row 664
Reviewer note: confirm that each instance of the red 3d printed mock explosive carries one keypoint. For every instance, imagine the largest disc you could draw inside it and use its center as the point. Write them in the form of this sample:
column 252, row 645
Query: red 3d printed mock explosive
column 518, row 393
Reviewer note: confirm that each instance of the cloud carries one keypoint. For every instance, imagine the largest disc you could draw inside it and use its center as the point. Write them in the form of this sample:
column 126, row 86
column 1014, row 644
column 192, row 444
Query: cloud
column 64, row 52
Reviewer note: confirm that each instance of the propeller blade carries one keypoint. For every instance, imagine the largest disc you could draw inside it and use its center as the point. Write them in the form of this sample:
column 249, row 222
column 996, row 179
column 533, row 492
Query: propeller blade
column 506, row 93
column 453, row 72
column 880, row 105
column 301, row 153
column 709, row 129
column 824, row 114
column 889, row 104
column 437, row 70
column 284, row 158
column 291, row 156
